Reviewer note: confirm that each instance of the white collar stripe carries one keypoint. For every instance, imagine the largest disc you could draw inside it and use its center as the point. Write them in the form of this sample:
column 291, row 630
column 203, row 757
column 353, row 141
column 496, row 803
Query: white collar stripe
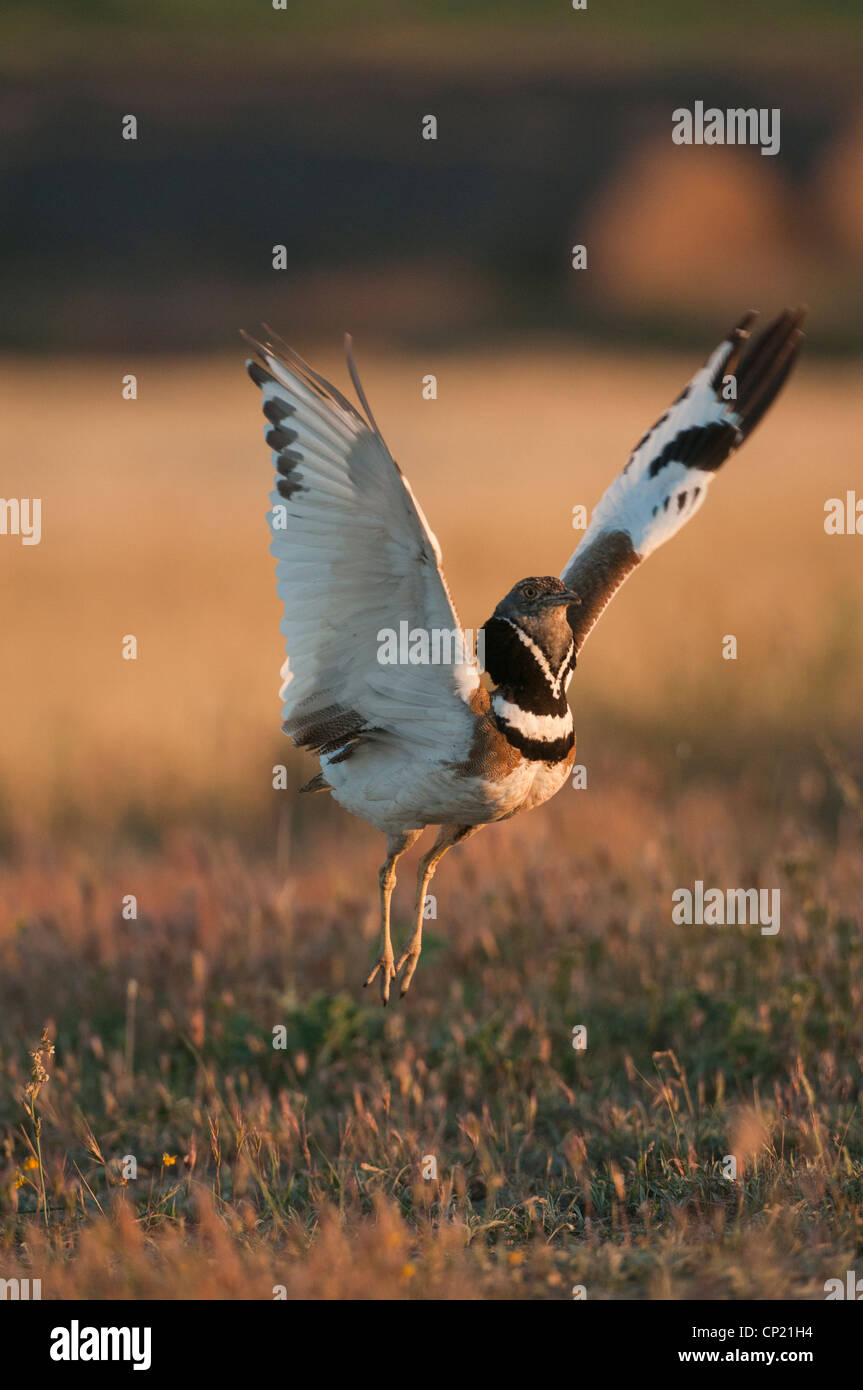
column 547, row 728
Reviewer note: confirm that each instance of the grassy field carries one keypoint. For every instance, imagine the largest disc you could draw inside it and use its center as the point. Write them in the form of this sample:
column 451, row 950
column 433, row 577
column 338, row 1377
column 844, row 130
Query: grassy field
column 302, row 1166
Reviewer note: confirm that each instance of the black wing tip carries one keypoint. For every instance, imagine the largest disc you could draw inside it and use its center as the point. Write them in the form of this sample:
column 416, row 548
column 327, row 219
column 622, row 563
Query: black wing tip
column 796, row 314
column 767, row 366
column 741, row 329
column 782, row 326
column 733, row 344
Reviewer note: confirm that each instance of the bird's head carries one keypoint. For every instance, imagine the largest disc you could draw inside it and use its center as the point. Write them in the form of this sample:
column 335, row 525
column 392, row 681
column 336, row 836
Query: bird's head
column 537, row 603
column 538, row 607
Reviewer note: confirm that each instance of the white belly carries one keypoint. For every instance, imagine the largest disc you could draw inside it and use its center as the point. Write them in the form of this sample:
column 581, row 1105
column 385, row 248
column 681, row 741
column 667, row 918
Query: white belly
column 394, row 791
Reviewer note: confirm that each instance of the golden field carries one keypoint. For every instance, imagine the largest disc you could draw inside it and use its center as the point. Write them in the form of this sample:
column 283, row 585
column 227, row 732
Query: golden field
column 154, row 525
column 153, row 777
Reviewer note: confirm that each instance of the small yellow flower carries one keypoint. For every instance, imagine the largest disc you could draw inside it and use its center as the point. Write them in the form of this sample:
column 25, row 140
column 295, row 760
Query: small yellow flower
column 19, row 1179
column 408, row 1271
column 30, row 1164
column 516, row 1257
column 169, row 1160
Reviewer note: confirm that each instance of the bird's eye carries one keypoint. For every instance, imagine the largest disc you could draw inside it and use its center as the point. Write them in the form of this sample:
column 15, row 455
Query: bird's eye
column 530, row 591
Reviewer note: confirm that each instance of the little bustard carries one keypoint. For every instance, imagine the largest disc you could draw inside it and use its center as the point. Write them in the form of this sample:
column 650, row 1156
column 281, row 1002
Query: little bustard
column 425, row 742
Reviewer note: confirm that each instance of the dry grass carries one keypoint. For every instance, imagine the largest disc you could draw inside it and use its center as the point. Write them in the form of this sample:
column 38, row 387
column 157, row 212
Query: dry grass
column 302, row 1167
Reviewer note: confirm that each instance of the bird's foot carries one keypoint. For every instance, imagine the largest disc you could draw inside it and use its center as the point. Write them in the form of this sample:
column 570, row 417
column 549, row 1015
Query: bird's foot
column 384, row 964
column 409, row 959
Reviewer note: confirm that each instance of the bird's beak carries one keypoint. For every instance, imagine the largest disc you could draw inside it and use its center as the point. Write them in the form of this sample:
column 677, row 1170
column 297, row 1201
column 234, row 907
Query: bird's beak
column 567, row 596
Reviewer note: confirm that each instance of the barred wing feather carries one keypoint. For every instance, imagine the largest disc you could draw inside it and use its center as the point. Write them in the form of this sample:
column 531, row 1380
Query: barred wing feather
column 668, row 473
column 355, row 556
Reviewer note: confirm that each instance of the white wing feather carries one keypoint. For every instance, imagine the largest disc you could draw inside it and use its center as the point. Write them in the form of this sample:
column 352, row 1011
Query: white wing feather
column 355, row 556
column 668, row 473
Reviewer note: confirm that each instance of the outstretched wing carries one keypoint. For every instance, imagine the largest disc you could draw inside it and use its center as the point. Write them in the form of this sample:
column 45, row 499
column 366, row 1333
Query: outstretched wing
column 355, row 558
column 666, row 479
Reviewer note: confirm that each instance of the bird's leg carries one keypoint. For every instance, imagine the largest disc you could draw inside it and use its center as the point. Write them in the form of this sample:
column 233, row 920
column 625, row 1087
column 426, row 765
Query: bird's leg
column 396, row 845
column 448, row 835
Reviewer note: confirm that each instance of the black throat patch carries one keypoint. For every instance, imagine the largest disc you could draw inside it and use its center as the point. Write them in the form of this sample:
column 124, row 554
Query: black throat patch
column 520, row 667
column 529, row 704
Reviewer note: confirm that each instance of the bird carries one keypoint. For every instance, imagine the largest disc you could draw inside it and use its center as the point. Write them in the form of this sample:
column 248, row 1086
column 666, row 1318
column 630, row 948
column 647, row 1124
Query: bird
column 463, row 742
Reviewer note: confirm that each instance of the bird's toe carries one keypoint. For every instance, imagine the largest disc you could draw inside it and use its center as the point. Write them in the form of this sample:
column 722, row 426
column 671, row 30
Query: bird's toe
column 383, row 966
column 408, row 962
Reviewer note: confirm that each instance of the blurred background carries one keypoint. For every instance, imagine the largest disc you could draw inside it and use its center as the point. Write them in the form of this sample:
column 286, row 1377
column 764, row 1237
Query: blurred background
column 302, row 127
